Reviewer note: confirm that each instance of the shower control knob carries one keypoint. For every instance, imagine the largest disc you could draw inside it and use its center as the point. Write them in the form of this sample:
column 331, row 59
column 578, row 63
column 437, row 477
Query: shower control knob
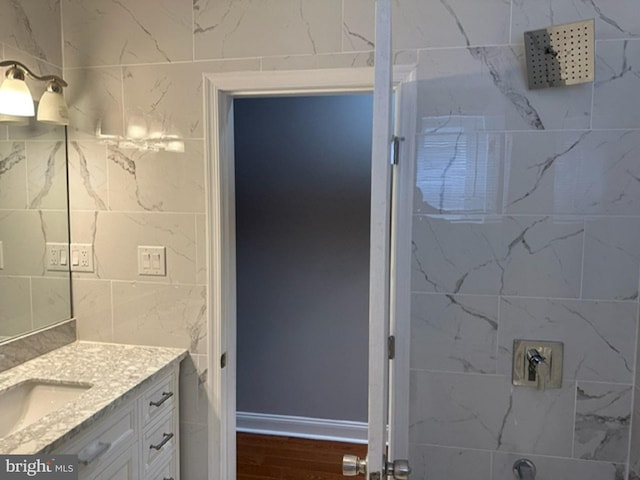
column 352, row 466
column 524, row 469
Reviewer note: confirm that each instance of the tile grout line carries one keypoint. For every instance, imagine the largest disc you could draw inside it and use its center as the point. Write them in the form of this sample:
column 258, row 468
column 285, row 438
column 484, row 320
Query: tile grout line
column 593, row 87
column 582, row 259
column 491, row 462
column 193, row 31
column 633, row 396
column 575, row 414
column 122, row 103
column 112, row 308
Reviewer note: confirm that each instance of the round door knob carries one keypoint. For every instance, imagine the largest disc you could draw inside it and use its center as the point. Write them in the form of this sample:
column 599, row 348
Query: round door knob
column 401, row 470
column 352, row 466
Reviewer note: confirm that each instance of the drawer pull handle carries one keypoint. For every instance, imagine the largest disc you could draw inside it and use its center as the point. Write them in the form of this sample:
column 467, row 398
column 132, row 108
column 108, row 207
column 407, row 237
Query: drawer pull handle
column 165, row 478
column 165, row 396
column 93, row 452
column 167, row 437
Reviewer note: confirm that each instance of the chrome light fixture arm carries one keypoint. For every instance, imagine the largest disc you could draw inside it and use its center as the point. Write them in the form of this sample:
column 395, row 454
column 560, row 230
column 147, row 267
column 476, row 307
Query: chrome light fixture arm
column 30, row 73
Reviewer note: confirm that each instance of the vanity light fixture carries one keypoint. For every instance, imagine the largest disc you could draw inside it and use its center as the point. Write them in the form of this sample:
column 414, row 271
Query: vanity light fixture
column 16, row 102
column 13, row 120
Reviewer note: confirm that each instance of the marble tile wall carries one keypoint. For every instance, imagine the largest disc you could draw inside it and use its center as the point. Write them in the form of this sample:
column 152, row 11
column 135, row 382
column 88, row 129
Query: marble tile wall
column 33, row 195
column 526, row 211
column 525, row 226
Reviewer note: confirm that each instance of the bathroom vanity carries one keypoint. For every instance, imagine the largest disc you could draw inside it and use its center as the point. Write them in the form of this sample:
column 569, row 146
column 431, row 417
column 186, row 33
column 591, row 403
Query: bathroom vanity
column 119, row 413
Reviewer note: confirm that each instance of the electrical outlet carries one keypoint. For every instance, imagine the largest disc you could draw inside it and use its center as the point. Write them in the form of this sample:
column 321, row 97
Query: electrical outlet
column 81, row 257
column 57, row 257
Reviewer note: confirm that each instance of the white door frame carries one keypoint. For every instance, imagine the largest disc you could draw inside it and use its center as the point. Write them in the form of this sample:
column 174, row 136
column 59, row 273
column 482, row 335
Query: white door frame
column 220, row 89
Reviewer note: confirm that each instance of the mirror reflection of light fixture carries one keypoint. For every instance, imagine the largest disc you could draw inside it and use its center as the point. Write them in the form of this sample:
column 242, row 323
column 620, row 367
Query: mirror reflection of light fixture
column 16, row 101
column 144, row 134
column 137, row 127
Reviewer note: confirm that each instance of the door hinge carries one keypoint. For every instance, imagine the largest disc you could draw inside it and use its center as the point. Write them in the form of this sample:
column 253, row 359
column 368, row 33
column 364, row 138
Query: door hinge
column 391, row 347
column 223, row 360
column 395, row 149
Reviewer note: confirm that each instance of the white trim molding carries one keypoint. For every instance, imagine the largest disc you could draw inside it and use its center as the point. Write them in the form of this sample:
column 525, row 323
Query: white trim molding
column 220, row 89
column 302, row 427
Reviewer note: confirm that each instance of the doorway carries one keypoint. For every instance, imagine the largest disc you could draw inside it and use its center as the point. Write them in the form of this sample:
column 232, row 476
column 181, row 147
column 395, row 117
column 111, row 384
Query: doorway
column 302, row 190
column 220, row 92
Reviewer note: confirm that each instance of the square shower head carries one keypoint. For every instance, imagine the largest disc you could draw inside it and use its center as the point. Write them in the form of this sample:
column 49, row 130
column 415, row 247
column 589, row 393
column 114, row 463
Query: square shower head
column 560, row 55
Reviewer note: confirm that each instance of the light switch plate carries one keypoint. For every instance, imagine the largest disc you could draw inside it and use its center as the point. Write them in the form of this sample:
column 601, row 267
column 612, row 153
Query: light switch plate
column 152, row 260
column 57, row 257
column 81, row 258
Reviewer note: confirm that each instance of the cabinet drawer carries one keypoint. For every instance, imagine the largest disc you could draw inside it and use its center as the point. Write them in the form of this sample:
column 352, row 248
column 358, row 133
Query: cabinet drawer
column 159, row 443
column 167, row 471
column 124, row 467
column 97, row 448
column 159, row 399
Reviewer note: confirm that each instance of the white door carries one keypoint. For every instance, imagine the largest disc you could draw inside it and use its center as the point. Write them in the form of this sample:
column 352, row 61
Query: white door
column 389, row 290
column 380, row 247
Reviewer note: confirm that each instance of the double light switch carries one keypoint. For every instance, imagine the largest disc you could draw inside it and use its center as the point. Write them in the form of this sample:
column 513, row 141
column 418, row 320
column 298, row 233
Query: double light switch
column 152, row 260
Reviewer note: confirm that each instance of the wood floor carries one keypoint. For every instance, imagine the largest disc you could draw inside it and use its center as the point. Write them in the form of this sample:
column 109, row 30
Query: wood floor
column 285, row 458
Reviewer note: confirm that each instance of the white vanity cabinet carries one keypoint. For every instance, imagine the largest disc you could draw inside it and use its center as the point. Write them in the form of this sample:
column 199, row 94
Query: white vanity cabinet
column 139, row 440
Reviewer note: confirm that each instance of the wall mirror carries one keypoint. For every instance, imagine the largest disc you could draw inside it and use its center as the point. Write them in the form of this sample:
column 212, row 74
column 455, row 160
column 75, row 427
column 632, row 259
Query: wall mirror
column 34, row 226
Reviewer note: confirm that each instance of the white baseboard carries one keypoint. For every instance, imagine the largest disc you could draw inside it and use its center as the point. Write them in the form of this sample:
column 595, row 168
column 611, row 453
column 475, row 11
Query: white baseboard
column 302, row 427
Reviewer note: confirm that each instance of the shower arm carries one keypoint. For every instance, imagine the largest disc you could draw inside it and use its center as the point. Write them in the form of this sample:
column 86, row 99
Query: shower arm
column 25, row 69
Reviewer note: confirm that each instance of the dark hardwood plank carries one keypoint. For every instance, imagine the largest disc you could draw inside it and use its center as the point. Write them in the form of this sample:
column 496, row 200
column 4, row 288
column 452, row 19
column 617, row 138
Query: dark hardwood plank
column 270, row 457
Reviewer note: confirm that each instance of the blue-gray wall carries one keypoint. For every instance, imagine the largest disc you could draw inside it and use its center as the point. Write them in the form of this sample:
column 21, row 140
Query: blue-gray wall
column 302, row 193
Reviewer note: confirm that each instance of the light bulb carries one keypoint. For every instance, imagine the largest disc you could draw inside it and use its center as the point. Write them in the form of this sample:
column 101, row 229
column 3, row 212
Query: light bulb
column 15, row 96
column 52, row 107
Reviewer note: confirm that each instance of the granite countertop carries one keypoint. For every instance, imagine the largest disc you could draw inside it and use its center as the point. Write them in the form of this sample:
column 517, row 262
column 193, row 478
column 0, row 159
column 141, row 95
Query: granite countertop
column 116, row 372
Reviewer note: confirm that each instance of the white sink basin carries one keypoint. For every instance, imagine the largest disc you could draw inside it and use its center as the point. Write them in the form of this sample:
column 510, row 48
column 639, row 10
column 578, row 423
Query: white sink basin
column 26, row 402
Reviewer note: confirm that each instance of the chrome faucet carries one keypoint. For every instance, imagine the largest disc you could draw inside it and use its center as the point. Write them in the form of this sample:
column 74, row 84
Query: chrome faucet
column 524, row 469
column 535, row 359
column 538, row 370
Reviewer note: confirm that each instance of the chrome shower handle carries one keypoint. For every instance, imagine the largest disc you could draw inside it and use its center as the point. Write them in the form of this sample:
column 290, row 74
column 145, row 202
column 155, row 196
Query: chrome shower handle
column 535, row 357
column 524, row 469
column 538, row 370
